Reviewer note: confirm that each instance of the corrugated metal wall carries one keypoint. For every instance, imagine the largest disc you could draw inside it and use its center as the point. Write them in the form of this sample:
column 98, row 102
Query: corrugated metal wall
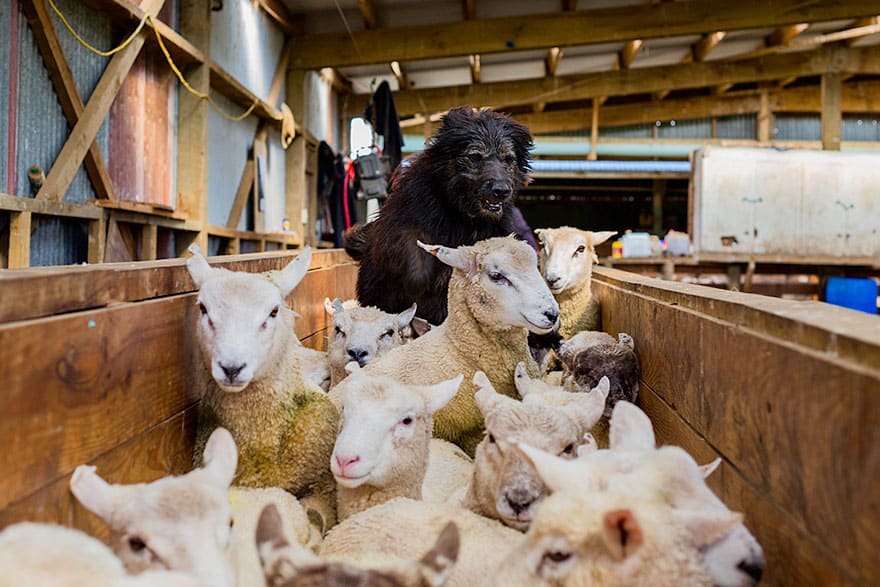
column 797, row 127
column 634, row 131
column 5, row 51
column 861, row 127
column 685, row 129
column 741, row 126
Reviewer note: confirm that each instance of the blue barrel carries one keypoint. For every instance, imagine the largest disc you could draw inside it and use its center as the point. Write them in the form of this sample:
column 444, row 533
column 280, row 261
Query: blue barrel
column 850, row 292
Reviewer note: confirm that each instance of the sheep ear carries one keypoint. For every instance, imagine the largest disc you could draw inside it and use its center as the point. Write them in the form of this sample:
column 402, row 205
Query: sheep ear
column 597, row 238
column 557, row 473
column 437, row 396
column 708, row 527
column 521, row 380
column 279, row 558
column 352, row 367
column 437, row 564
column 630, row 428
column 95, row 494
column 197, row 265
column 709, row 468
column 589, row 407
column 421, row 326
column 405, row 317
column 221, row 457
column 460, row 258
column 289, row 277
column 270, row 529
column 488, row 400
column 622, row 533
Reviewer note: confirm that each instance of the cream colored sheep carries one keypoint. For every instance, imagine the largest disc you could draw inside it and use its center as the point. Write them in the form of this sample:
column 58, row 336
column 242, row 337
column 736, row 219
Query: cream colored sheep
column 289, row 565
column 45, row 555
column 634, row 467
column 504, row 485
column 362, row 334
column 496, row 296
column 382, row 448
column 179, row 523
column 449, row 474
column 407, row 528
column 252, row 380
column 567, row 265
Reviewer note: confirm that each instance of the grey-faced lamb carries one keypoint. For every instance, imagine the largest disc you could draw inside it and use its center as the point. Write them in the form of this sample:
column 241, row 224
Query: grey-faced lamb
column 252, row 380
column 567, row 261
column 496, row 296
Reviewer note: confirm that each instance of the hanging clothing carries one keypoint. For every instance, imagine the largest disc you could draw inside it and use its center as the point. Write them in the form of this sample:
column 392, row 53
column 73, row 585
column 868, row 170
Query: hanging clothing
column 382, row 114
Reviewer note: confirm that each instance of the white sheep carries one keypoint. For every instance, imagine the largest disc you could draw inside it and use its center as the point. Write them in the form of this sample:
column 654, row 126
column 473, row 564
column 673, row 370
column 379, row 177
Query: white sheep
column 449, row 474
column 362, row 334
column 567, row 265
column 252, row 381
column 46, row 555
column 382, row 448
column 289, row 565
column 496, row 296
column 633, row 466
column 504, row 485
column 180, row 523
column 406, row 528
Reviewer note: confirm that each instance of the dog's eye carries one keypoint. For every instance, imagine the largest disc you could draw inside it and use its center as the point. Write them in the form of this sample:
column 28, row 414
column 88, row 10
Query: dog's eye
column 579, row 250
column 510, row 160
column 498, row 277
column 475, row 158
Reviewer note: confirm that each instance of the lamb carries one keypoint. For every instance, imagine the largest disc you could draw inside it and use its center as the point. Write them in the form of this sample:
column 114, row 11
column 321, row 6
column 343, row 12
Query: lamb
column 406, row 528
column 382, row 448
column 589, row 356
column 504, row 485
column 284, row 424
column 362, row 334
column 180, row 523
column 47, row 555
column 633, row 466
column 289, row 565
column 567, row 263
column 495, row 297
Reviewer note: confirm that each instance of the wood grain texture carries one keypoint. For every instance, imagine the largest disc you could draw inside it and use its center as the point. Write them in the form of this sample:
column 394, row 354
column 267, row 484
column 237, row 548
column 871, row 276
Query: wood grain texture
column 801, row 424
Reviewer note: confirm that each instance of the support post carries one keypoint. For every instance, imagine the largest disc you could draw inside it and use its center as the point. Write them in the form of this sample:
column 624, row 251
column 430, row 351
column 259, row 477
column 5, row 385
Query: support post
column 594, row 132
column 295, row 174
column 832, row 119
column 97, row 239
column 19, row 240
column 659, row 192
column 764, row 116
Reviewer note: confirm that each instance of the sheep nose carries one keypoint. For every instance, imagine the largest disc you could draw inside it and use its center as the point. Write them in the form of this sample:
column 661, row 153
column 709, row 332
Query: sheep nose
column 551, row 281
column 519, row 500
column 754, row 569
column 551, row 315
column 232, row 371
column 345, row 462
column 358, row 354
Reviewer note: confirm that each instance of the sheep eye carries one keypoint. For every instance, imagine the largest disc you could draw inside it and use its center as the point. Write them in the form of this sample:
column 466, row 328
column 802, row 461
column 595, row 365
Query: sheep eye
column 407, row 421
column 557, row 556
column 388, row 333
column 136, row 544
column 339, row 331
column 568, row 449
column 202, row 308
column 580, row 250
column 491, row 439
column 231, row 522
column 274, row 312
column 497, row 277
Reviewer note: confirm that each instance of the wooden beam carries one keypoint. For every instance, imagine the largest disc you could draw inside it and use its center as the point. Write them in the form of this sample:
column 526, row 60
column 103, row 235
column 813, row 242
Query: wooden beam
column 475, row 68
column 49, row 208
column 276, row 9
column 149, row 242
column 224, row 83
column 551, row 62
column 706, row 45
column 399, row 74
column 629, row 52
column 832, row 119
column 192, row 123
column 594, row 131
column 97, row 240
column 863, row 22
column 295, row 158
column 245, row 185
column 468, row 9
column 563, row 29
column 41, row 24
column 19, row 240
column 86, row 129
column 764, row 116
column 785, row 34
column 627, row 82
column 368, row 13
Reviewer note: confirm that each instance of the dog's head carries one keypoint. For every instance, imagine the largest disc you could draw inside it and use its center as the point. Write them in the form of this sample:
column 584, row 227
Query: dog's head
column 485, row 156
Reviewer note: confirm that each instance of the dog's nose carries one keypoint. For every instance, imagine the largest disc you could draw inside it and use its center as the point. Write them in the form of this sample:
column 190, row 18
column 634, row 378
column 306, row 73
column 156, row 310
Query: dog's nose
column 232, row 371
column 501, row 190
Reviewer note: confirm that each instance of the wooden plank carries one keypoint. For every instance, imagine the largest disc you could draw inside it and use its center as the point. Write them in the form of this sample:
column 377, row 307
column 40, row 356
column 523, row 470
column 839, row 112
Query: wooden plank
column 49, row 208
column 801, row 425
column 794, row 557
column 308, row 297
column 594, row 131
column 832, row 119
column 628, row 81
column 86, row 129
column 19, row 240
column 166, row 448
column 149, row 242
column 245, row 186
column 97, row 240
column 141, row 208
column 368, row 13
column 763, row 123
column 562, row 29
column 65, row 374
column 46, row 291
column 290, row 24
column 226, row 84
column 629, row 52
column 40, row 20
column 295, row 159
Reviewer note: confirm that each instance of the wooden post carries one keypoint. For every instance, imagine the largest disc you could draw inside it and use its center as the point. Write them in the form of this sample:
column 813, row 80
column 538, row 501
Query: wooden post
column 832, row 120
column 734, row 272
column 97, row 239
column 594, row 132
column 295, row 174
column 192, row 123
column 19, row 240
column 659, row 192
column 764, row 116
column 149, row 242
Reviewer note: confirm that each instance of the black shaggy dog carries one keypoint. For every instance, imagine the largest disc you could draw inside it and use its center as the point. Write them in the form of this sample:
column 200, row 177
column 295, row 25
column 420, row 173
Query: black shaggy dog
column 458, row 191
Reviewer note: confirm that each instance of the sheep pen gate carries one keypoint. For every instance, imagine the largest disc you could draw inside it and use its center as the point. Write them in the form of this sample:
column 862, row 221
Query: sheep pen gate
column 98, row 370
column 99, row 361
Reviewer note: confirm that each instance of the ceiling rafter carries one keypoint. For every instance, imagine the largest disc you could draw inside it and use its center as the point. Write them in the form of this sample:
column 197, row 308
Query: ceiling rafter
column 628, row 54
column 368, row 13
column 468, row 9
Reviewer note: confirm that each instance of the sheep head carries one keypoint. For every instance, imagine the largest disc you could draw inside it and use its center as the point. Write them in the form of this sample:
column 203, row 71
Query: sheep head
column 244, row 323
column 501, row 284
column 568, row 255
column 585, row 408
column 179, row 523
column 385, row 430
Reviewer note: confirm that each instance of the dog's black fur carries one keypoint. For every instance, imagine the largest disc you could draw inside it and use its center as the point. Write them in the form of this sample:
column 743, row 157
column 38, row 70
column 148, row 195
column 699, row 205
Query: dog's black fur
column 458, row 191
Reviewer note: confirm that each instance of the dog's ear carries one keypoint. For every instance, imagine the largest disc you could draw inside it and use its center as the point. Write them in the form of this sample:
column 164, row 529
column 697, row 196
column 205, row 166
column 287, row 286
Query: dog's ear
column 461, row 258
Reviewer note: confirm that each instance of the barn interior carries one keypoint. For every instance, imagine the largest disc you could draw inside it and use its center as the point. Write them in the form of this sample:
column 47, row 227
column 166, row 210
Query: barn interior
column 133, row 129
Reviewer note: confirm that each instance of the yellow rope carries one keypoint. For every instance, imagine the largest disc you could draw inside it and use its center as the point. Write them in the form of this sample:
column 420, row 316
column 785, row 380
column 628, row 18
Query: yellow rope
column 82, row 42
